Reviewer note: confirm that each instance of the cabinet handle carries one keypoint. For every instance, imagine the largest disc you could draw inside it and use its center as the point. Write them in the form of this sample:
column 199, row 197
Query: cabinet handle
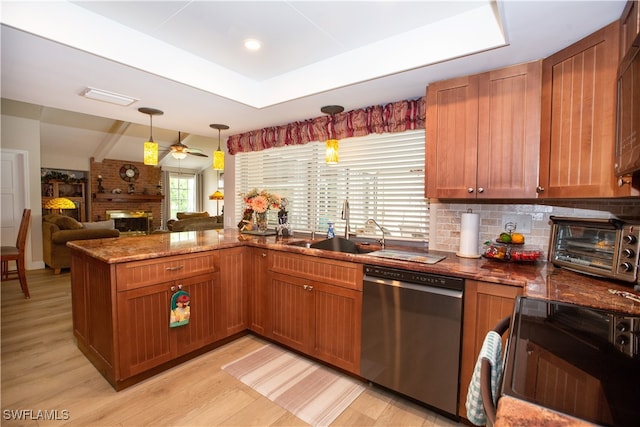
column 539, row 189
column 264, row 254
column 307, row 287
column 480, row 190
column 174, row 288
column 469, row 190
column 623, row 180
column 180, row 267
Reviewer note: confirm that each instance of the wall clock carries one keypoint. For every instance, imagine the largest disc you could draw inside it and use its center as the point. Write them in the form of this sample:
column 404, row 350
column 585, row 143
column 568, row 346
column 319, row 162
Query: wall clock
column 129, row 172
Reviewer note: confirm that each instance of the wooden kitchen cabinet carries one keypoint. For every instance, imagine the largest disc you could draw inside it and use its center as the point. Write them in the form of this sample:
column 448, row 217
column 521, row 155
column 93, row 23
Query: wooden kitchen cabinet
column 121, row 312
column 577, row 148
column 629, row 26
column 145, row 338
column 485, row 304
column 316, row 307
column 482, row 135
column 234, row 268
column 258, row 291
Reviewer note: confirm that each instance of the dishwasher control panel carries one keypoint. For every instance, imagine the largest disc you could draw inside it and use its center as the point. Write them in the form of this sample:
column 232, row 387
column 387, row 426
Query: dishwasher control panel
column 416, row 277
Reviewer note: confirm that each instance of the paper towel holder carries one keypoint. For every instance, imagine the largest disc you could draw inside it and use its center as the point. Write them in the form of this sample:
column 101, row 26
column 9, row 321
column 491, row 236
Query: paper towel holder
column 469, row 234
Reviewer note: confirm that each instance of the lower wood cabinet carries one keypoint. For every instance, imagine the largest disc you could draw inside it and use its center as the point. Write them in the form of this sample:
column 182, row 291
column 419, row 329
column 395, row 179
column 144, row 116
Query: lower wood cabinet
column 144, row 337
column 485, row 304
column 317, row 309
column 234, row 310
column 258, row 293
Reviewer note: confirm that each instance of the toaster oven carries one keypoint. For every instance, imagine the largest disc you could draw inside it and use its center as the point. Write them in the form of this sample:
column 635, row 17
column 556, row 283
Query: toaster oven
column 601, row 247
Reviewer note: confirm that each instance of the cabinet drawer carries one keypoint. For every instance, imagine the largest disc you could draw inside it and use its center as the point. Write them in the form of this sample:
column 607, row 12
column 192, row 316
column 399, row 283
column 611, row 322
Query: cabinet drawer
column 136, row 274
column 339, row 273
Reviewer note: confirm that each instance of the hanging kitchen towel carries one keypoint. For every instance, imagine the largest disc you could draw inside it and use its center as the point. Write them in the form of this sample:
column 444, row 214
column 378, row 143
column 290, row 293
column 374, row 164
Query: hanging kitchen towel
column 492, row 351
column 180, row 309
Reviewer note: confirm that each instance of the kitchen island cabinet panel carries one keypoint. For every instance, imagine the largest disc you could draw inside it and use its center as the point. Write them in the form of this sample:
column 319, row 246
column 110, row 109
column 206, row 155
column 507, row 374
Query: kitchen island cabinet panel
column 485, row 304
column 259, row 298
column 145, row 338
column 139, row 273
column 234, row 269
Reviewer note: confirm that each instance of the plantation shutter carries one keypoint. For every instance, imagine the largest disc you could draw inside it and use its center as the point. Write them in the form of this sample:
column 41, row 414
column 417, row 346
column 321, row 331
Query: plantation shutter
column 382, row 175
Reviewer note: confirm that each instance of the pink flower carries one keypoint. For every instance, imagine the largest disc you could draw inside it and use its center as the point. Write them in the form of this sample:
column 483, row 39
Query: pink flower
column 260, row 204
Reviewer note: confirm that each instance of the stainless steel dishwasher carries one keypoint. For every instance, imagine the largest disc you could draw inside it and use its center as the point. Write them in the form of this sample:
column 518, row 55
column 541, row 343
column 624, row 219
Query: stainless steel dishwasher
column 411, row 334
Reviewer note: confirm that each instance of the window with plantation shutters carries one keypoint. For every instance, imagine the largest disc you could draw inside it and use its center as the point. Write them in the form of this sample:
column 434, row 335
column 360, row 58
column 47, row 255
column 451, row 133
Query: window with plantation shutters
column 382, row 176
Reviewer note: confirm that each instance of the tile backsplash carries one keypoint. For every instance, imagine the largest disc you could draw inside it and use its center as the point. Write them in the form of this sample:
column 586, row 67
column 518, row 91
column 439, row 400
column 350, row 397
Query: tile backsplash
column 445, row 219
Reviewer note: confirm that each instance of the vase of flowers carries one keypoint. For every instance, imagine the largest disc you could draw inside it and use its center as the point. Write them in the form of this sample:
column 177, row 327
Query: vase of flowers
column 260, row 202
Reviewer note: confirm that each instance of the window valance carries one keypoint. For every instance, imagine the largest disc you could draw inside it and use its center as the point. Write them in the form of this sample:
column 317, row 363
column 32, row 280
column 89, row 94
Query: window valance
column 393, row 117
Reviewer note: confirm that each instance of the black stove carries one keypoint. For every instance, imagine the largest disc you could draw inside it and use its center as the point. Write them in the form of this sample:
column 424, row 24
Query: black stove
column 577, row 360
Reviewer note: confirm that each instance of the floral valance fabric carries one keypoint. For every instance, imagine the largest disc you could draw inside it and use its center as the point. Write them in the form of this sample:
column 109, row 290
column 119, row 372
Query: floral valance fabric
column 393, row 117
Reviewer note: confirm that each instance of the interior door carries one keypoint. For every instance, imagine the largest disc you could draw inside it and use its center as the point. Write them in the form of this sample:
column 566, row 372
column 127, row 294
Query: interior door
column 13, row 197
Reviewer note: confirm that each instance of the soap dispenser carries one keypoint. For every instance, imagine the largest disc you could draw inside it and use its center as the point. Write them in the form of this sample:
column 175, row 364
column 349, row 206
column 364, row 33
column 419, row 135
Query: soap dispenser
column 330, row 231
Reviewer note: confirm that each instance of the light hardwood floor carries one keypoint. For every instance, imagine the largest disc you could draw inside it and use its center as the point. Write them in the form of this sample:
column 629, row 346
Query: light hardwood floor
column 42, row 370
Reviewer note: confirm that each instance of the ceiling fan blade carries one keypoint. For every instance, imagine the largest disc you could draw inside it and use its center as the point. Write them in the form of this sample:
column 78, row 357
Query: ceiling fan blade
column 197, row 154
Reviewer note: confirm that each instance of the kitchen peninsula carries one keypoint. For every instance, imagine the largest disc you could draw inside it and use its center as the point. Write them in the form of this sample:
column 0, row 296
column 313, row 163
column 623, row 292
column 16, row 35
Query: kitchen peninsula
column 122, row 291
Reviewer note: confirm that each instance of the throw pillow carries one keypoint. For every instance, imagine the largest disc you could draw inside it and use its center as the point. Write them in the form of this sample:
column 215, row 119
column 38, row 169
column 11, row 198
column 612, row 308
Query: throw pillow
column 95, row 225
column 185, row 215
column 67, row 223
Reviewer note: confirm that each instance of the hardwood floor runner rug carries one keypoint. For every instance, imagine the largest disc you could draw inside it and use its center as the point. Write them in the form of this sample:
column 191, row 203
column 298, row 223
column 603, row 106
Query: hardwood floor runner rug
column 312, row 392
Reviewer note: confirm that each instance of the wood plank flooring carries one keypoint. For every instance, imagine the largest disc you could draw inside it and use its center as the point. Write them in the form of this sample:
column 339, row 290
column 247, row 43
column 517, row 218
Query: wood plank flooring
column 46, row 381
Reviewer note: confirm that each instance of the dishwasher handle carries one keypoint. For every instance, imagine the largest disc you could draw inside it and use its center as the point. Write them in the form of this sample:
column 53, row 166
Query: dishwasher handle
column 414, row 286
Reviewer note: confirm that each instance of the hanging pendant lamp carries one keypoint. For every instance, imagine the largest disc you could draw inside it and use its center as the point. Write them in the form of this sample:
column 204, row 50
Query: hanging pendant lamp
column 150, row 146
column 331, row 145
column 218, row 155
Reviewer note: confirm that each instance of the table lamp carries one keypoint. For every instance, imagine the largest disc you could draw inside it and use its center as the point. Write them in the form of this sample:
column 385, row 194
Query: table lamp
column 59, row 203
column 217, row 196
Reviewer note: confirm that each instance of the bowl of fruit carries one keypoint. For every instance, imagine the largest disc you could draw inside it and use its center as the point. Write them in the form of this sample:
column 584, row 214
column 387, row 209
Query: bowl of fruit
column 510, row 247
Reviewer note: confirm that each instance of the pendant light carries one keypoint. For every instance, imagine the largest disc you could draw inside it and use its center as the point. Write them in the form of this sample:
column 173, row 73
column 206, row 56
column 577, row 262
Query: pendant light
column 150, row 146
column 331, row 145
column 218, row 155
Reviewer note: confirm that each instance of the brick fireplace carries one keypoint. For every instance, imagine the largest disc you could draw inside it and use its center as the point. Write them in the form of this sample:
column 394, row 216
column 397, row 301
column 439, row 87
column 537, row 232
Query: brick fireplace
column 144, row 195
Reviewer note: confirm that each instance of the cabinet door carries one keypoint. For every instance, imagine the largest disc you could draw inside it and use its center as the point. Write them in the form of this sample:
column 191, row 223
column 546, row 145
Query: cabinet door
column 485, row 304
column 630, row 25
column 337, row 326
column 451, row 136
column 578, row 118
column 259, row 297
column 291, row 311
column 509, row 132
column 202, row 329
column 233, row 269
column 143, row 329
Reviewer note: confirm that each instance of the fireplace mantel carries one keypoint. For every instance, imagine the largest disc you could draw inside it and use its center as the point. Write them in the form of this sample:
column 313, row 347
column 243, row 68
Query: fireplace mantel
column 124, row 197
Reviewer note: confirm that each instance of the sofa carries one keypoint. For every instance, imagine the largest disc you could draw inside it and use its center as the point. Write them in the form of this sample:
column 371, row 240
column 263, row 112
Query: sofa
column 193, row 221
column 57, row 230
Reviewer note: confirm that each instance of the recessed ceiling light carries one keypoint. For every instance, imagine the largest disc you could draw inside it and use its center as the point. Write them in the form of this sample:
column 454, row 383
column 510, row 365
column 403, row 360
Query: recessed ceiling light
column 252, row 44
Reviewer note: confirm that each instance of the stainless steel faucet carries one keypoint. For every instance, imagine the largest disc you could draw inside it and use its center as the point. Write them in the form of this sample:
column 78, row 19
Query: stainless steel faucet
column 382, row 229
column 345, row 216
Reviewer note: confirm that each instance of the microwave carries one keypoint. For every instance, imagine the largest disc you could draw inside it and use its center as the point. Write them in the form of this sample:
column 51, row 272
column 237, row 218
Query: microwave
column 601, row 247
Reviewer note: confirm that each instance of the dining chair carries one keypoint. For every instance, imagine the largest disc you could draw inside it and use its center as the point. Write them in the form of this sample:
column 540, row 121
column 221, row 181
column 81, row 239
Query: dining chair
column 11, row 253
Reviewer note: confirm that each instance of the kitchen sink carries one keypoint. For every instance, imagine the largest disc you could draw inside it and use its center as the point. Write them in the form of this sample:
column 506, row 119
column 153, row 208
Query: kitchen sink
column 338, row 244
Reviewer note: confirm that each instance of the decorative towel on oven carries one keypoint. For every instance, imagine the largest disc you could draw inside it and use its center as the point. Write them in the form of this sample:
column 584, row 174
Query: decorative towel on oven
column 180, row 309
column 492, row 351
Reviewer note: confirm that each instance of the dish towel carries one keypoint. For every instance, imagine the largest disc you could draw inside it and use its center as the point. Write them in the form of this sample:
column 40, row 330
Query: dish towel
column 492, row 351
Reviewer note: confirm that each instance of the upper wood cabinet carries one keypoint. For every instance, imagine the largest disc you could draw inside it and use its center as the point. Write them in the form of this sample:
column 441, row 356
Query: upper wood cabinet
column 629, row 26
column 577, row 148
column 483, row 134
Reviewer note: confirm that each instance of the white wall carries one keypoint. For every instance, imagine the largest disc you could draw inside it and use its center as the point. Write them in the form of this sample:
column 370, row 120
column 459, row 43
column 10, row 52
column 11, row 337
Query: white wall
column 24, row 134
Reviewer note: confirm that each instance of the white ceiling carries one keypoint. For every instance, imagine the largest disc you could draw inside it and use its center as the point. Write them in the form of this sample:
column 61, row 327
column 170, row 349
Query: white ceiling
column 186, row 58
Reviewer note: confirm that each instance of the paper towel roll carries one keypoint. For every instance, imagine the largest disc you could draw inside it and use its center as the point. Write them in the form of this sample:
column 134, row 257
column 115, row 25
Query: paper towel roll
column 469, row 235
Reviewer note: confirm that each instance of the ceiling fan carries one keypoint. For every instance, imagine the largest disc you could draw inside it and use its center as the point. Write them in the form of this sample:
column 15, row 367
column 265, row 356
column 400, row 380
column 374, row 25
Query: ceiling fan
column 179, row 150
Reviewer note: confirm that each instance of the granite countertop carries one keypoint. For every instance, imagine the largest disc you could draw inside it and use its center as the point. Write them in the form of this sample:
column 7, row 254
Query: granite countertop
column 539, row 280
